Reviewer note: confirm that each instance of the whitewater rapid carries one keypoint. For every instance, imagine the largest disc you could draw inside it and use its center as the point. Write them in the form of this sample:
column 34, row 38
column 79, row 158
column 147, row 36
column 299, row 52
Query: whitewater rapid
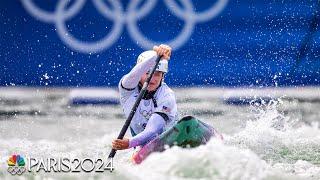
column 279, row 139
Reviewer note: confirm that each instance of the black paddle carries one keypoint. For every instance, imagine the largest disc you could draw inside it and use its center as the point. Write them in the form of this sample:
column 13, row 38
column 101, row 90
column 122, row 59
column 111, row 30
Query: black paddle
column 135, row 106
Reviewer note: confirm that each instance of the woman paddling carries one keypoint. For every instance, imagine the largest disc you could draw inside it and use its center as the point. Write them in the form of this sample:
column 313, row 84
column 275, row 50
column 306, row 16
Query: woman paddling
column 158, row 109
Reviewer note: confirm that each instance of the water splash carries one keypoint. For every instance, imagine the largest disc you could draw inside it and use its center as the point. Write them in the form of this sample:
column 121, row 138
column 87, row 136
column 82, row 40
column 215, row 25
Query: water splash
column 275, row 138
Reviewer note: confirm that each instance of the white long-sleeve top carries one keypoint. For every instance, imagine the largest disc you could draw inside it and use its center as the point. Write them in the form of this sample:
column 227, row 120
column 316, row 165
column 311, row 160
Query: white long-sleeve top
column 147, row 123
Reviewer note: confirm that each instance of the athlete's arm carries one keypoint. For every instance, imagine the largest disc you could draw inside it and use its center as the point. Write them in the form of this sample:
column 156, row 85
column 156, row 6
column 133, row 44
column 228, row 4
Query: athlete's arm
column 155, row 126
column 132, row 79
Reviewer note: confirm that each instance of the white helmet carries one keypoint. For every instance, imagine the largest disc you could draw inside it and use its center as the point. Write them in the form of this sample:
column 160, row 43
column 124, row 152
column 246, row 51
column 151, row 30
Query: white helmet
column 163, row 64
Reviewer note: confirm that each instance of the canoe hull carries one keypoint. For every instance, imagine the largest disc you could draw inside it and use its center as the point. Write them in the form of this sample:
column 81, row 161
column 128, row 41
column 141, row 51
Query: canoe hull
column 188, row 132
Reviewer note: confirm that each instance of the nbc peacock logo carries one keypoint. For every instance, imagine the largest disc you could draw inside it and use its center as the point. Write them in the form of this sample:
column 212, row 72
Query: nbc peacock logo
column 16, row 165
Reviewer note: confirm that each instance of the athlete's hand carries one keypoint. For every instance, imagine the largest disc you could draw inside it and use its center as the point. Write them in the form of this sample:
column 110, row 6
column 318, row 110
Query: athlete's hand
column 163, row 50
column 120, row 144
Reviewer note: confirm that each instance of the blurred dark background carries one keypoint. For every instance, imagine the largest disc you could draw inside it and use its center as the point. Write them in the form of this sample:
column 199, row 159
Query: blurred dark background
column 237, row 43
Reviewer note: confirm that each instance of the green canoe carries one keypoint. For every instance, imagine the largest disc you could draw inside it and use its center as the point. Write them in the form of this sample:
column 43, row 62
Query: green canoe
column 188, row 132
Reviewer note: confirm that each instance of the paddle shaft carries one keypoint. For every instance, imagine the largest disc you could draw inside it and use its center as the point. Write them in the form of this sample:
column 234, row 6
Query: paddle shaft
column 135, row 106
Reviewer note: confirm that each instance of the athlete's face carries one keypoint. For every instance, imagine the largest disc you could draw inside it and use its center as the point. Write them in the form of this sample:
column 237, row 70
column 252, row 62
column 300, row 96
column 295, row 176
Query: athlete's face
column 155, row 80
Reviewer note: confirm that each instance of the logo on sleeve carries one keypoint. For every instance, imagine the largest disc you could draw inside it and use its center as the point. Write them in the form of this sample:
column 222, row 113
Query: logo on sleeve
column 166, row 109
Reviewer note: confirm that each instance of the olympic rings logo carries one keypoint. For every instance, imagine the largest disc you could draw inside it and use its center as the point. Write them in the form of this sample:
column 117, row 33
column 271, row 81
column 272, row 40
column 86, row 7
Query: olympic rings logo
column 119, row 17
column 16, row 170
column 146, row 114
